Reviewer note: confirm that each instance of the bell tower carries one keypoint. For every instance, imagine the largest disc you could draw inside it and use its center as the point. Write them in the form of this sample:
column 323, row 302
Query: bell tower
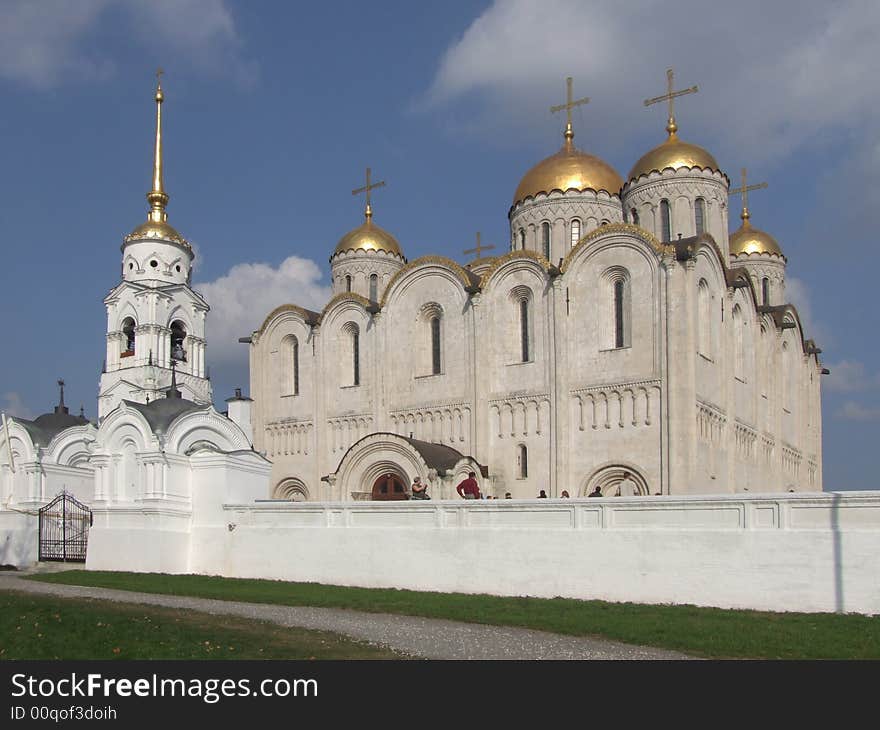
column 155, row 321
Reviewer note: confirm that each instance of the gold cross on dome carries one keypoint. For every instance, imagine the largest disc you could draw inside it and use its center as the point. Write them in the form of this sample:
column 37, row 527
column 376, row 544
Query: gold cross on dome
column 366, row 189
column 669, row 96
column 479, row 248
column 744, row 190
column 570, row 104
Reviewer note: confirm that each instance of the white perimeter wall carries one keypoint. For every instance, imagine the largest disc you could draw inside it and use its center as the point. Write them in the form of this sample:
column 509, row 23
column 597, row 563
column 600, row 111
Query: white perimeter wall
column 780, row 552
column 18, row 538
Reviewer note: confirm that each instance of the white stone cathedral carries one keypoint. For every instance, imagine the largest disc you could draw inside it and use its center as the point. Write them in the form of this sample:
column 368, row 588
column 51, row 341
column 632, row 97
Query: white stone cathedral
column 625, row 332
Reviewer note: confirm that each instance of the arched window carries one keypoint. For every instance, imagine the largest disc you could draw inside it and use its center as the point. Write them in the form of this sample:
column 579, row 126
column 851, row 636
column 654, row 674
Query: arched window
column 545, row 239
column 665, row 226
column 738, row 355
column 374, row 287
column 347, row 283
column 704, row 321
column 615, row 314
column 765, row 291
column 619, row 287
column 178, row 337
column 294, row 357
column 699, row 216
column 435, row 344
column 524, row 329
column 128, row 330
column 356, row 356
column 522, row 461
column 635, row 216
column 522, row 239
column 575, row 232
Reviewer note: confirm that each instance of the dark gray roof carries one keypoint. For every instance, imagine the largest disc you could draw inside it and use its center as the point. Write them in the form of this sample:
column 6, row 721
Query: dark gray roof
column 161, row 413
column 436, row 456
column 44, row 428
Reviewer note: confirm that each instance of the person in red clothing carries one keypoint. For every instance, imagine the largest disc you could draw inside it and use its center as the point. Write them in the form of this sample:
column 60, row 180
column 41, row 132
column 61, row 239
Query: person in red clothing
column 469, row 489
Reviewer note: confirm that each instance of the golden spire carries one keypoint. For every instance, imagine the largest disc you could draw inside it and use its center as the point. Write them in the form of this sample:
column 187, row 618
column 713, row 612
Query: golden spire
column 671, row 126
column 570, row 104
column 745, row 193
column 157, row 197
column 368, row 211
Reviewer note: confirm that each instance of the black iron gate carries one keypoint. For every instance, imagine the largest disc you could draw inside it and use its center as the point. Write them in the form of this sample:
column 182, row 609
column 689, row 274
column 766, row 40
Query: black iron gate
column 64, row 529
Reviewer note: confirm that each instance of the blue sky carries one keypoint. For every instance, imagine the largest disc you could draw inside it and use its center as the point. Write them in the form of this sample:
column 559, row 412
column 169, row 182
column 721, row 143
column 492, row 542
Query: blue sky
column 274, row 109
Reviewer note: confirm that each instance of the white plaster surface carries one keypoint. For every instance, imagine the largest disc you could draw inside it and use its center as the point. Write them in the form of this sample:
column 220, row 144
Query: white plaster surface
column 771, row 552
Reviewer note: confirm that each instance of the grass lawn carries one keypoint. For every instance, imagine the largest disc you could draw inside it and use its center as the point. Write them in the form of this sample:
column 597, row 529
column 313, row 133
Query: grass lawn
column 709, row 632
column 47, row 627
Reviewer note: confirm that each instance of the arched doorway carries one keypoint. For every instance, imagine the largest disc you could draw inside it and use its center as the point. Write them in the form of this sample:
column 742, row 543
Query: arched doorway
column 389, row 487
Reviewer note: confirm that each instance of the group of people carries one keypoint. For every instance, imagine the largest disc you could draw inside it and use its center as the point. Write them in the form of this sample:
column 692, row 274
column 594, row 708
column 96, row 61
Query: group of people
column 469, row 489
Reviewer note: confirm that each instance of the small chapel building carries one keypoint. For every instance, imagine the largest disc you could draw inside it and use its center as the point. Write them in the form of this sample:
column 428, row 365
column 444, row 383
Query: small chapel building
column 625, row 331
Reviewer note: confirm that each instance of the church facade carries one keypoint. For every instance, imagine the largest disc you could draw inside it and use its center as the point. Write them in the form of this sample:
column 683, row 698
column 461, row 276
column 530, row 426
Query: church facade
column 626, row 331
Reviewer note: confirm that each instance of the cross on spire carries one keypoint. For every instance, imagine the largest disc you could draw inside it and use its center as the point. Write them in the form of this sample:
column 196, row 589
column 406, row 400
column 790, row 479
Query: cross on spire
column 61, row 408
column 479, row 248
column 744, row 191
column 570, row 104
column 669, row 96
column 159, row 73
column 368, row 211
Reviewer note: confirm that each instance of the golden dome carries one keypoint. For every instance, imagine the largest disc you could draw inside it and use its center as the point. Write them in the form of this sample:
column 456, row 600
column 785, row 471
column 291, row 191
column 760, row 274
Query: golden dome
column 368, row 237
column 746, row 240
column 570, row 168
column 154, row 230
column 675, row 154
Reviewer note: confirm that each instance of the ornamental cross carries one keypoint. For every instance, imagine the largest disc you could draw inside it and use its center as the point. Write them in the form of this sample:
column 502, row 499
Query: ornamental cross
column 670, row 94
column 744, row 190
column 61, row 385
column 570, row 103
column 479, row 248
column 368, row 187
column 159, row 74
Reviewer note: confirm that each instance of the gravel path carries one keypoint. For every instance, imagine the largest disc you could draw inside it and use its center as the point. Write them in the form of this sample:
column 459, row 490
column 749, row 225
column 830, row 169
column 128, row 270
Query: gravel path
column 418, row 637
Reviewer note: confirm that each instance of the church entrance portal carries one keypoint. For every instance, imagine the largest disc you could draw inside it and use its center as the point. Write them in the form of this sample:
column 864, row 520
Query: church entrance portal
column 388, row 487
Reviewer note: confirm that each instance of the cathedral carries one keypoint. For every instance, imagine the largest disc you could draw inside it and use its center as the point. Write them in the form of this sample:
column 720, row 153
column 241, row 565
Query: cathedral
column 626, row 333
column 626, row 336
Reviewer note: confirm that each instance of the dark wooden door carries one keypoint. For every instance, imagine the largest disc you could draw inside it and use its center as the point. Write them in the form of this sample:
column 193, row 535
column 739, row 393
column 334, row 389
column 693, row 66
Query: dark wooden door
column 388, row 487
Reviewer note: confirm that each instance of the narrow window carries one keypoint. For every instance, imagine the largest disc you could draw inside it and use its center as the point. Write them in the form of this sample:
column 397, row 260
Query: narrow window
column 523, row 458
column 699, row 216
column 545, row 239
column 435, row 345
column 635, row 216
column 575, row 233
column 524, row 328
column 374, row 287
column 295, row 358
column 522, row 239
column 618, row 312
column 765, row 291
column 347, row 283
column 128, row 331
column 178, row 337
column 665, row 227
column 356, row 357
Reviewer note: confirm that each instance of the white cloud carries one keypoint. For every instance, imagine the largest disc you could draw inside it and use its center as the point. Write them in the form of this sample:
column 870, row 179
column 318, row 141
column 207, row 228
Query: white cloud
column 241, row 299
column 770, row 77
column 850, row 376
column 44, row 43
column 852, row 411
column 796, row 293
column 11, row 404
column 40, row 41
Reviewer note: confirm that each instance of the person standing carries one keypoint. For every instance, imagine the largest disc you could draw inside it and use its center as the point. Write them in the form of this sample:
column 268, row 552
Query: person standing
column 468, row 488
